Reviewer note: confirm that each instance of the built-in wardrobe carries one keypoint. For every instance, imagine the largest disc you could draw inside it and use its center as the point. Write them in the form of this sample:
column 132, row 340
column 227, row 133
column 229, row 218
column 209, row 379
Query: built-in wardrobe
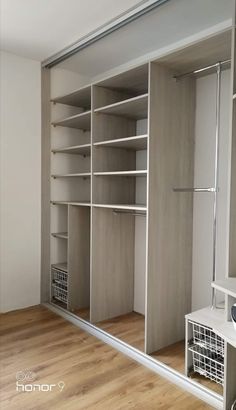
column 139, row 208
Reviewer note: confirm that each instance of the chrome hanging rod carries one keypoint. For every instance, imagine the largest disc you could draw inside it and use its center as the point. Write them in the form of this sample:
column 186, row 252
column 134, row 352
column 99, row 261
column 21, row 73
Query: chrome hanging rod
column 201, row 70
column 217, row 151
column 124, row 211
column 194, row 189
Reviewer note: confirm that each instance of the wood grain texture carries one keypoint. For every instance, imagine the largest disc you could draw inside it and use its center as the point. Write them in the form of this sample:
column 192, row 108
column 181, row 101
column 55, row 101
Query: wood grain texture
column 206, row 52
column 107, row 127
column 171, row 152
column 105, row 96
column 95, row 375
column 230, row 377
column 129, row 328
column 112, row 278
column 78, row 257
column 45, row 185
column 232, row 237
column 113, row 190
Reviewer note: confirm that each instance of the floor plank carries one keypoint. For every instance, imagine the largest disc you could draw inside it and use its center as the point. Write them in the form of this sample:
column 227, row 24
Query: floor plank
column 95, row 375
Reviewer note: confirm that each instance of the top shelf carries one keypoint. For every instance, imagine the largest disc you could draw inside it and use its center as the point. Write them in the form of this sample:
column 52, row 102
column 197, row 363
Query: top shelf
column 78, row 98
column 227, row 286
column 135, row 108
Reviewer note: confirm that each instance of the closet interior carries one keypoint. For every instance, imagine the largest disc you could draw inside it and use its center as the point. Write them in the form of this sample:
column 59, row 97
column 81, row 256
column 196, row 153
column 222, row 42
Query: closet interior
column 132, row 206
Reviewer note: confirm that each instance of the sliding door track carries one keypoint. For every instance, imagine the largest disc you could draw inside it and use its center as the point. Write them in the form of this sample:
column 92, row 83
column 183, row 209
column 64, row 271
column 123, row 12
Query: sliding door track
column 156, row 366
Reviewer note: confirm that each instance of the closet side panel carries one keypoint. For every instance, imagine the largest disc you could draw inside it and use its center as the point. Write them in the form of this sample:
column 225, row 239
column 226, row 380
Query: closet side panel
column 45, row 186
column 171, row 158
column 232, row 236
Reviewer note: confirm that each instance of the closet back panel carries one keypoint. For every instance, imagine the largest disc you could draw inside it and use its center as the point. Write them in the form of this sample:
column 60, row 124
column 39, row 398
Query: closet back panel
column 112, row 287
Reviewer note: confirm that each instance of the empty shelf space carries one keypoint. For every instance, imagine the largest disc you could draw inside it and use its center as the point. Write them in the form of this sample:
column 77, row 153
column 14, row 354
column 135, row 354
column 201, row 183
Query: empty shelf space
column 134, row 108
column 78, row 98
column 135, row 143
column 227, row 286
column 84, row 149
column 61, row 266
column 78, row 203
column 128, row 207
column 80, row 121
column 79, row 174
column 60, row 235
column 137, row 173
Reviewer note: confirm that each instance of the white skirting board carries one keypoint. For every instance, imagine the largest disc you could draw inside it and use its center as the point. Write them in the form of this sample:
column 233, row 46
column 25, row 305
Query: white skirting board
column 213, row 399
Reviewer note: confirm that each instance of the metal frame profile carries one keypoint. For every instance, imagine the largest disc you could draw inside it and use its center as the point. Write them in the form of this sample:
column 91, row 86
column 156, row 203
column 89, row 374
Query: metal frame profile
column 142, row 8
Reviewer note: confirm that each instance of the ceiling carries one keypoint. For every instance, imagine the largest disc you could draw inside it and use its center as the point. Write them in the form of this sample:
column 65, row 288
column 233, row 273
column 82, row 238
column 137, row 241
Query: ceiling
column 37, row 29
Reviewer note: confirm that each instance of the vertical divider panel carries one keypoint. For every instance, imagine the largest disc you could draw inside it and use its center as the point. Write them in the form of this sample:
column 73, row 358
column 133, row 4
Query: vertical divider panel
column 91, row 198
column 230, row 351
column 78, row 257
column 171, row 158
column 45, row 186
column 232, row 236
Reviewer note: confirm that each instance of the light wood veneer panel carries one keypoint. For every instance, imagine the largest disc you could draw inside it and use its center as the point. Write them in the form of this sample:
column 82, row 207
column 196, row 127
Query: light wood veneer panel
column 112, row 264
column 78, row 257
column 171, row 151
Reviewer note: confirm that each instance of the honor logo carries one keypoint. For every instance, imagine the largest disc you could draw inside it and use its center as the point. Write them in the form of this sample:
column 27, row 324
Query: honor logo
column 29, row 376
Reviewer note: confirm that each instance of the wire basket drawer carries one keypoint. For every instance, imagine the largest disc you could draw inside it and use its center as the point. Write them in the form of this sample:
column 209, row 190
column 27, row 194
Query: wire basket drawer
column 208, row 363
column 204, row 336
column 59, row 293
column 59, row 276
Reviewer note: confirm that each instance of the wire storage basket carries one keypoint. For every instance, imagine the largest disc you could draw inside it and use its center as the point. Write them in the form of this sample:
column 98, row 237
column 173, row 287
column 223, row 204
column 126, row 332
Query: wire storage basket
column 59, row 294
column 208, row 363
column 59, row 276
column 59, row 285
column 204, row 336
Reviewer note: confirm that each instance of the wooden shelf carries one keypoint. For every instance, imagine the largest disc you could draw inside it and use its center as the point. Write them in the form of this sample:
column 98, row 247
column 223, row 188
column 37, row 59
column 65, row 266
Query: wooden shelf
column 135, row 143
column 128, row 207
column 80, row 174
column 137, row 173
column 80, row 121
column 61, row 266
column 60, row 235
column 134, row 108
column 84, row 149
column 227, row 286
column 78, row 98
column 77, row 203
column 208, row 316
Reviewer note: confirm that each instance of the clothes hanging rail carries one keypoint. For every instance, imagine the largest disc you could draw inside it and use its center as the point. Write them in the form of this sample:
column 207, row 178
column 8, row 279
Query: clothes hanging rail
column 123, row 211
column 194, row 189
column 203, row 69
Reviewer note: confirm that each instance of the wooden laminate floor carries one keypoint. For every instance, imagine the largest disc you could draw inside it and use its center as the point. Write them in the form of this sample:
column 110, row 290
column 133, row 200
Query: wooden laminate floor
column 96, row 376
column 130, row 329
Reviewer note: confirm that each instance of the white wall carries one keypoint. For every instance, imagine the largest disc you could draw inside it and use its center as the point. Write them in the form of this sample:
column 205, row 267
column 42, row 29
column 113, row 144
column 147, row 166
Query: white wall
column 20, row 182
